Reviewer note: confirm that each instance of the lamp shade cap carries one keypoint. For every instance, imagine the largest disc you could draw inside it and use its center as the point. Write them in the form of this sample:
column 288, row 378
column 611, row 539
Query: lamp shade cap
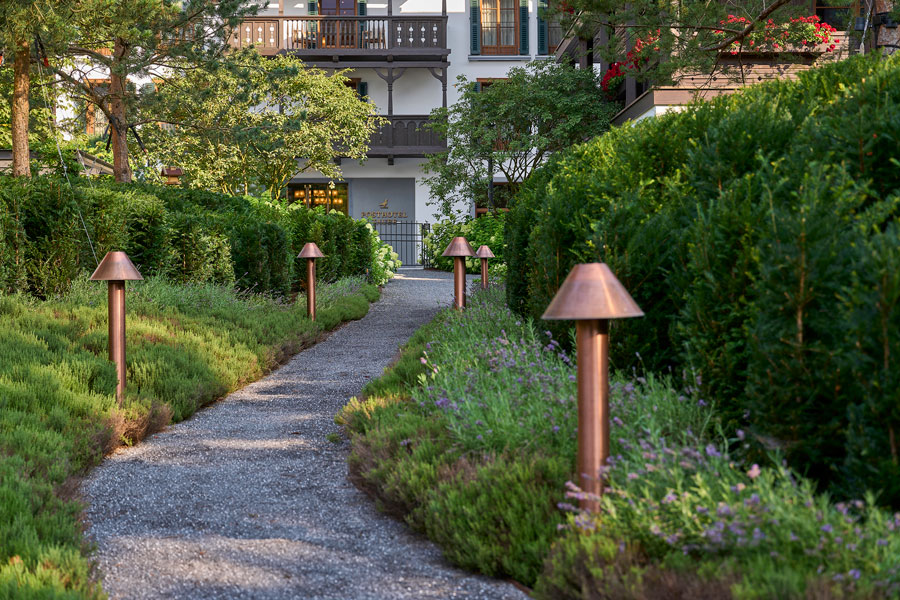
column 116, row 266
column 591, row 291
column 484, row 252
column 310, row 250
column 459, row 246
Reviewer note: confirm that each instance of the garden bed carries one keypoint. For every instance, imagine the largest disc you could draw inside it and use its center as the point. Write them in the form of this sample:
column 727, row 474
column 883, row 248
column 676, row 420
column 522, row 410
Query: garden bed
column 470, row 438
column 188, row 345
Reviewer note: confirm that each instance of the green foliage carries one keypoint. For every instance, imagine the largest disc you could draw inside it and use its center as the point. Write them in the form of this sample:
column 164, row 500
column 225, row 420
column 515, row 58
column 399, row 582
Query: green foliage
column 745, row 228
column 519, row 121
column 475, row 447
column 485, row 230
column 188, row 235
column 241, row 124
column 688, row 39
column 187, row 346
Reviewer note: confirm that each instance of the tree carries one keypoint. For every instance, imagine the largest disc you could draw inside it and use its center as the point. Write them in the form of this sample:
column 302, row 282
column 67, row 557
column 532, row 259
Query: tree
column 128, row 40
column 241, row 127
column 511, row 127
column 665, row 41
column 23, row 21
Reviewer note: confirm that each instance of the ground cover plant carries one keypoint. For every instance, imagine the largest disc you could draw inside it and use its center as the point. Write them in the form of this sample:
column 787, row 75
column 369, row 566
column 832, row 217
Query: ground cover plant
column 185, row 234
column 188, row 344
column 470, row 438
column 760, row 234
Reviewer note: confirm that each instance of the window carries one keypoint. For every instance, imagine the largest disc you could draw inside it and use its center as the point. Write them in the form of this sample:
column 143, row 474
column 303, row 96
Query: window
column 95, row 121
column 499, row 27
column 330, row 196
column 554, row 36
column 836, row 13
column 482, row 83
column 550, row 32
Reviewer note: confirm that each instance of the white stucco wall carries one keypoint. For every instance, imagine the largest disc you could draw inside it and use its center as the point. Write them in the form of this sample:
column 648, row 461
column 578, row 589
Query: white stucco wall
column 417, row 92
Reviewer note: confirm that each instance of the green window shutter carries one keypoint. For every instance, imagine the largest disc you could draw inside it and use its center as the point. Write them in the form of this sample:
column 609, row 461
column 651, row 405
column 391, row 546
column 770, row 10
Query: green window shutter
column 523, row 26
column 363, row 90
column 475, row 27
column 313, row 7
column 543, row 28
column 361, row 8
column 477, row 87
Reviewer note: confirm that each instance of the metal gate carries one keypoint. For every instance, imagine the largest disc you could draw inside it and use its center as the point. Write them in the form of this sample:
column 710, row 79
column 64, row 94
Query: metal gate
column 407, row 240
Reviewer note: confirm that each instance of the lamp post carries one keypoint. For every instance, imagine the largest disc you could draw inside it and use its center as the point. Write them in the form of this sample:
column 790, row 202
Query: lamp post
column 591, row 295
column 310, row 252
column 459, row 249
column 116, row 268
column 484, row 253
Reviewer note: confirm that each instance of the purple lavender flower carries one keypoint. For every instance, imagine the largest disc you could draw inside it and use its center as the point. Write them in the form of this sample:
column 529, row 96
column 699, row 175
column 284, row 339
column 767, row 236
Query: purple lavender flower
column 854, row 573
column 740, row 434
column 827, row 528
column 711, row 451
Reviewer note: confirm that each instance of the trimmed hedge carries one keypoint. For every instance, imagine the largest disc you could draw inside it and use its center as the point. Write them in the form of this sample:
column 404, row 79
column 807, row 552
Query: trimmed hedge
column 760, row 233
column 187, row 235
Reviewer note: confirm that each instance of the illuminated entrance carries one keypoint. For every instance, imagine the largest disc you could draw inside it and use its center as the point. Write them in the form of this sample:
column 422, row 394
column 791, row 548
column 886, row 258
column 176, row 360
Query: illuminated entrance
column 330, row 196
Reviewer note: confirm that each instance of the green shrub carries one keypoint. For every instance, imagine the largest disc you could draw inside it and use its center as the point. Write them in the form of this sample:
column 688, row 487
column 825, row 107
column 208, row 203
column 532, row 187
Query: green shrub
column 187, row 346
column 741, row 227
column 486, row 230
column 189, row 235
column 682, row 517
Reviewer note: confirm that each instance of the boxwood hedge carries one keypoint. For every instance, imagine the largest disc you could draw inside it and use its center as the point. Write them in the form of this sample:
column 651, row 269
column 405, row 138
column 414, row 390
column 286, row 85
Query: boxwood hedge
column 760, row 233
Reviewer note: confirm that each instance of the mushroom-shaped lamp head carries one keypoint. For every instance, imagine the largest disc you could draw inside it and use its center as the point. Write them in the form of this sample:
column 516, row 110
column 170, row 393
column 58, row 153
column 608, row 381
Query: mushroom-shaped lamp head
column 116, row 266
column 310, row 250
column 591, row 291
column 459, row 246
column 484, row 252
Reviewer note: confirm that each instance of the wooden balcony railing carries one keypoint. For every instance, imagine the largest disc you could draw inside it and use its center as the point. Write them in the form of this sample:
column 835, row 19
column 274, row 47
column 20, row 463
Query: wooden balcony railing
column 406, row 136
column 324, row 34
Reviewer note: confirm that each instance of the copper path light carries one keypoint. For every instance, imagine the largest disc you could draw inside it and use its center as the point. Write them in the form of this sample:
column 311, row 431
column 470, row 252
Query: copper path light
column 591, row 295
column 459, row 249
column 484, row 253
column 310, row 252
column 116, row 268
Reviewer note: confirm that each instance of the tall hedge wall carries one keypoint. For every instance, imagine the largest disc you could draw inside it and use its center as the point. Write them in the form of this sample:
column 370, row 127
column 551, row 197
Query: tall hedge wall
column 187, row 235
column 760, row 233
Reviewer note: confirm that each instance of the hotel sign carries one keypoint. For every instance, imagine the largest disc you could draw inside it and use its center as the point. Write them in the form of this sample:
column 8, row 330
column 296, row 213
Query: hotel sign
column 384, row 216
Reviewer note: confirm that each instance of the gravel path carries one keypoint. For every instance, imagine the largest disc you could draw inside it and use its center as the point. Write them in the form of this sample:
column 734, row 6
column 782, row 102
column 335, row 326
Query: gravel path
column 248, row 499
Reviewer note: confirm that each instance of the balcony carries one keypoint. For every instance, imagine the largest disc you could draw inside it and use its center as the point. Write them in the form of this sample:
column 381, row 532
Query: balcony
column 363, row 40
column 405, row 137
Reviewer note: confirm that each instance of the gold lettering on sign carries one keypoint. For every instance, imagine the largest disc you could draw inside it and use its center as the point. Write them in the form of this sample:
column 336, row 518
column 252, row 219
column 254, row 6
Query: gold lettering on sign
column 384, row 216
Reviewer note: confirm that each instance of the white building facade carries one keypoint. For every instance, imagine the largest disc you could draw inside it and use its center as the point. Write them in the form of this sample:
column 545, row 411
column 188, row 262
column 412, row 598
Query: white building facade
column 405, row 56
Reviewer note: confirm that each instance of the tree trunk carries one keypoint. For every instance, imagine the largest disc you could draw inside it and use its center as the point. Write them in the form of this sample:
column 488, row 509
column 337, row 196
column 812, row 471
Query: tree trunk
column 21, row 155
column 118, row 122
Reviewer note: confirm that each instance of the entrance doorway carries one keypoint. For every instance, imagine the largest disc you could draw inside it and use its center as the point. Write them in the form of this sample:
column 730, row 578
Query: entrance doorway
column 338, row 33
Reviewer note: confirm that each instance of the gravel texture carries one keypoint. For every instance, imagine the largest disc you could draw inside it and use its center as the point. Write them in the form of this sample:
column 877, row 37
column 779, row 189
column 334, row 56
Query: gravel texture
column 248, row 499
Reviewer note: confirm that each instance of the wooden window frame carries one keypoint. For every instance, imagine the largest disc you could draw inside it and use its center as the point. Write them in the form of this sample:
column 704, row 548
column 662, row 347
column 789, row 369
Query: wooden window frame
column 90, row 109
column 498, row 49
column 852, row 6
